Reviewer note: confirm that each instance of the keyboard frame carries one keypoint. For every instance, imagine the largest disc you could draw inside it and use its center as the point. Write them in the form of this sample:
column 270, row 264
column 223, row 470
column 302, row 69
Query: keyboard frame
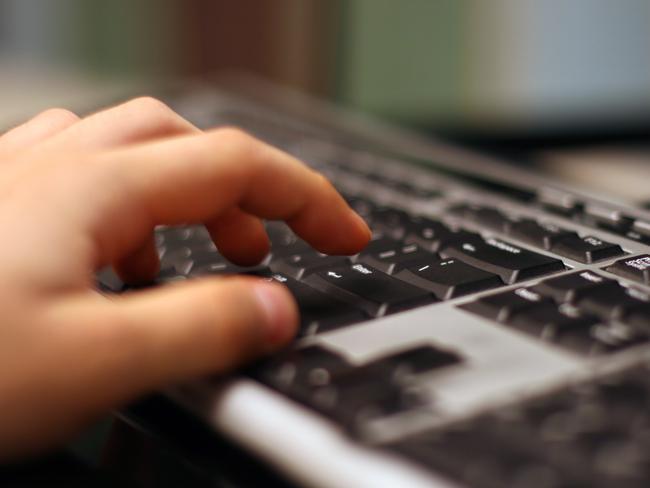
column 313, row 450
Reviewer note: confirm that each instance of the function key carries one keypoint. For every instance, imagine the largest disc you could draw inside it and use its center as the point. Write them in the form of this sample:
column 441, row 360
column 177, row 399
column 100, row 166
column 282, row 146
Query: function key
column 371, row 290
column 573, row 286
column 540, row 234
column 586, row 249
column 449, row 278
column 511, row 262
column 636, row 268
column 485, row 216
column 502, row 306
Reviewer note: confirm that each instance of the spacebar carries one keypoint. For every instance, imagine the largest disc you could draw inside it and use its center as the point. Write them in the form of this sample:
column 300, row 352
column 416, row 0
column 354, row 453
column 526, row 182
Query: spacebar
column 510, row 262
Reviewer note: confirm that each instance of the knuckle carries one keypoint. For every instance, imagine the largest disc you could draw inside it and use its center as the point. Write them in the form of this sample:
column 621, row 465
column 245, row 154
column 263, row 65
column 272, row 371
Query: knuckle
column 59, row 114
column 236, row 138
column 149, row 104
column 151, row 112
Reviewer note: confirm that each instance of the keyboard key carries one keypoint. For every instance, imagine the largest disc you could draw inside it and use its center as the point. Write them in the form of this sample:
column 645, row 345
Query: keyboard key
column 547, row 320
column 560, row 203
column 587, row 249
column 542, row 235
column 571, row 287
column 390, row 221
column 299, row 265
column 510, row 262
column 636, row 268
column 448, row 278
column 606, row 218
column 373, row 291
column 502, row 306
column 429, row 234
column 391, row 261
column 283, row 241
column 228, row 268
column 613, row 302
column 485, row 216
column 638, row 317
column 319, row 312
column 641, row 227
column 418, row 360
column 299, row 370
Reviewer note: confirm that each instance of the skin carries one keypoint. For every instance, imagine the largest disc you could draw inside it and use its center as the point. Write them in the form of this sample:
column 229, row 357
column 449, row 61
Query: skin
column 79, row 194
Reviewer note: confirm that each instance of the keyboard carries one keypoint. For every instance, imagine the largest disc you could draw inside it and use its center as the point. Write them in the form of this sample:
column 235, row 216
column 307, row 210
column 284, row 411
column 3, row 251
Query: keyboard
column 482, row 276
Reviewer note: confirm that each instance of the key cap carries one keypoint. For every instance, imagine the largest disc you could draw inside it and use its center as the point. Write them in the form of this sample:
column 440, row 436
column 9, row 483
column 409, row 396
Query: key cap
column 613, row 302
column 283, row 241
column 358, row 395
column 448, row 278
column 299, row 370
column 540, row 234
column 641, row 227
column 638, row 317
column 373, row 291
column 587, row 249
column 547, row 320
column 319, row 312
column 417, row 360
column 574, row 286
column 502, row 306
column 389, row 221
column 609, row 219
column 636, row 268
column 227, row 268
column 485, row 216
column 380, row 243
column 391, row 261
column 299, row 265
column 510, row 262
column 428, row 234
column 560, row 203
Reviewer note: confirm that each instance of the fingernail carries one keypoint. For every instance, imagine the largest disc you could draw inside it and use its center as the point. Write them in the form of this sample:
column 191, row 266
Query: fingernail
column 280, row 311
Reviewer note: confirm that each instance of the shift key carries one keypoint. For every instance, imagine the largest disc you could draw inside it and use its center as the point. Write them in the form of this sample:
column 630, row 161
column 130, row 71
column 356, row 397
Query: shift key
column 373, row 291
column 512, row 263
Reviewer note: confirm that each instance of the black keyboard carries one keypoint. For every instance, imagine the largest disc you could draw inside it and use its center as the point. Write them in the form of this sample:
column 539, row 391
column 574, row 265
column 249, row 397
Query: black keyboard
column 513, row 271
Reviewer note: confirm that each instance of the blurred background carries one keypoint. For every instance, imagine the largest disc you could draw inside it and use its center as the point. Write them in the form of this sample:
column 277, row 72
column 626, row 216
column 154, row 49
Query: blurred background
column 563, row 83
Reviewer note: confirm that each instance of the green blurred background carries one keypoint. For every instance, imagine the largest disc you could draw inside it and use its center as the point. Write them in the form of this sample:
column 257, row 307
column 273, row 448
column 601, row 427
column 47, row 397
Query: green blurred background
column 472, row 65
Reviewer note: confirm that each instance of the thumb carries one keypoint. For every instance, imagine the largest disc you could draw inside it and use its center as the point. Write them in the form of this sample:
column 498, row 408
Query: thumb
column 149, row 339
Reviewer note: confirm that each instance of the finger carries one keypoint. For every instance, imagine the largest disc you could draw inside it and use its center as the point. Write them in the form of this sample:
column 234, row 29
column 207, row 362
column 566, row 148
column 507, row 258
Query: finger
column 104, row 352
column 138, row 120
column 240, row 237
column 177, row 332
column 197, row 178
column 36, row 130
column 141, row 266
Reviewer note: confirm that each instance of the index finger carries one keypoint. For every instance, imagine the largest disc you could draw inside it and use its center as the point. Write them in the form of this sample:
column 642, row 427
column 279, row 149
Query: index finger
column 196, row 178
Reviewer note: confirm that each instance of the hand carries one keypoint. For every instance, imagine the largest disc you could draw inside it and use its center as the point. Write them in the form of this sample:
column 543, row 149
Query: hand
column 77, row 195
